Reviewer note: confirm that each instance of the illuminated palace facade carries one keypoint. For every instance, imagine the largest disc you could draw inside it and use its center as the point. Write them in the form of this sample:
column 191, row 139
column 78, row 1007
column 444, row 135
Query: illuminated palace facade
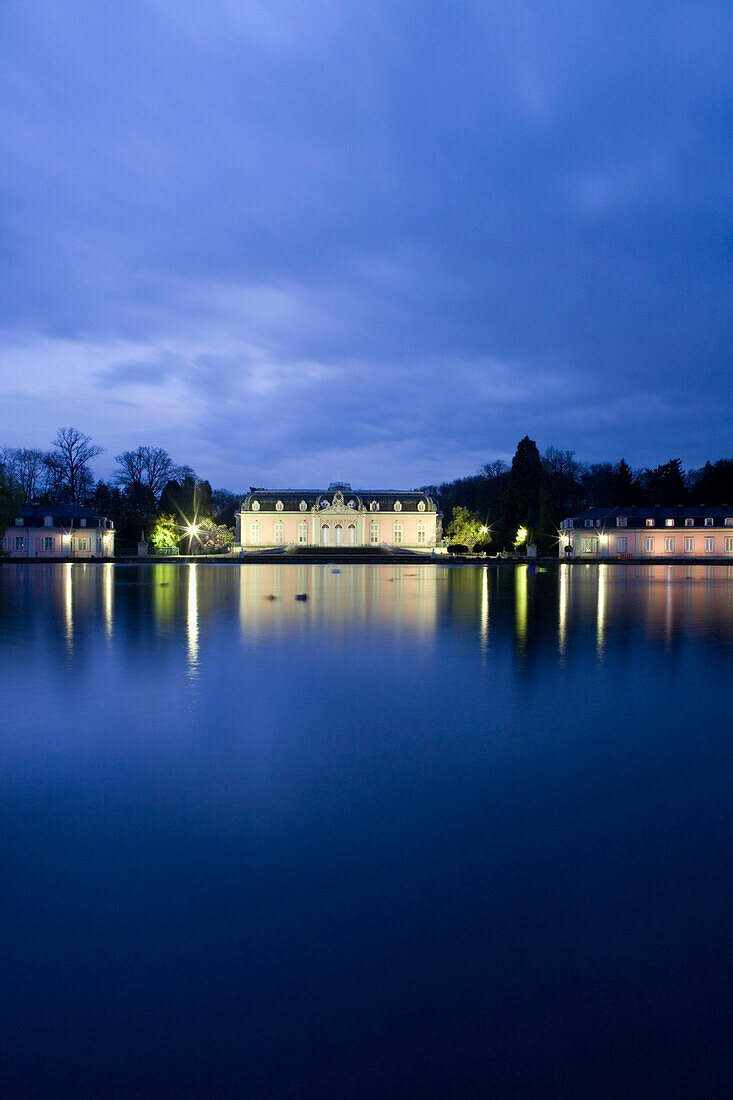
column 339, row 517
column 641, row 533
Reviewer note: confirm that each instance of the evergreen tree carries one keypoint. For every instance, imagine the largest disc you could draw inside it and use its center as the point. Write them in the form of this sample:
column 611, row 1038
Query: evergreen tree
column 525, row 502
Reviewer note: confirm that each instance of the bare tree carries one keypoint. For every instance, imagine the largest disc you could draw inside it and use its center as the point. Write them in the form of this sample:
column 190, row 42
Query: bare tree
column 147, row 467
column 74, row 451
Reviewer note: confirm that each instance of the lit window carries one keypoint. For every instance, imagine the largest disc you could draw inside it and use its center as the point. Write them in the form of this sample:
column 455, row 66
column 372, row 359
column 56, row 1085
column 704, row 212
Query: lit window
column 729, row 521
column 649, row 545
column 302, row 532
column 590, row 546
column 279, row 532
column 709, row 545
column 669, row 523
column 19, row 543
column 621, row 544
column 728, row 544
column 421, row 506
column 621, row 521
column 708, row 521
column 669, row 546
column 374, row 533
column 397, row 533
column 689, row 545
column 650, row 522
column 303, row 506
column 255, row 533
column 397, row 506
column 82, row 545
column 279, row 506
column 689, row 522
column 421, row 534
column 255, row 505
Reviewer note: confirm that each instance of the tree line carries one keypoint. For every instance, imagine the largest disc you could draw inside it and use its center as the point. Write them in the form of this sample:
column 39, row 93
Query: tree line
column 532, row 495
column 147, row 492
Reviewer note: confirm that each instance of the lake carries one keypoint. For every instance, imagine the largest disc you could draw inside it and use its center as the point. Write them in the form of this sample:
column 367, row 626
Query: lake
column 432, row 831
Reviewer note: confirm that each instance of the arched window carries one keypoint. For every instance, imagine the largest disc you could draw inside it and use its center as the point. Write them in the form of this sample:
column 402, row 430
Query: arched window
column 279, row 506
column 351, row 534
column 397, row 534
column 302, row 533
column 325, row 535
column 338, row 535
column 303, row 506
column 279, row 532
column 374, row 533
column 255, row 533
column 421, row 506
column 374, row 507
column 421, row 534
column 397, row 506
column 255, row 505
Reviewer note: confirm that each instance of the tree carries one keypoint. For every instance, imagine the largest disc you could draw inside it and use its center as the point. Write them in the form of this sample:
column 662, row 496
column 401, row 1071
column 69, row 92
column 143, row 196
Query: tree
column 214, row 537
column 147, row 467
column 665, row 484
column 189, row 498
column 525, row 501
column 73, row 452
column 466, row 527
column 11, row 497
column 166, row 533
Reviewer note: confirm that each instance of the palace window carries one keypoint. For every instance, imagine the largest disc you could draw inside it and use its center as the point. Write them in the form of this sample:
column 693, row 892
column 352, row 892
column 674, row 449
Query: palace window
column 728, row 544
column 255, row 532
column 669, row 523
column 19, row 543
column 708, row 521
column 729, row 521
column 397, row 506
column 255, row 505
column 397, row 533
column 621, row 544
column 421, row 506
column 421, row 534
column 650, row 522
column 47, row 543
column 689, row 544
column 82, row 544
column 302, row 533
column 351, row 534
column 669, row 546
column 279, row 506
column 279, row 532
column 649, row 545
column 589, row 523
column 374, row 533
column 709, row 545
column 303, row 506
column 590, row 546
column 374, row 507
column 19, row 521
column 621, row 521
column 82, row 523
column 48, row 521
column 689, row 522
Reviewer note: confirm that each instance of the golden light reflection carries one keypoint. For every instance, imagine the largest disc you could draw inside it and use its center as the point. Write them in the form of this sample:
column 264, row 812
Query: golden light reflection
column 601, row 610
column 485, row 608
column 520, row 604
column 69, row 604
column 192, row 619
column 108, row 597
column 562, row 616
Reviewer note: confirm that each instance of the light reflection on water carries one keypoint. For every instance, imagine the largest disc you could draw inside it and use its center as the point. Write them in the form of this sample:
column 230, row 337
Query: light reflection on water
column 428, row 826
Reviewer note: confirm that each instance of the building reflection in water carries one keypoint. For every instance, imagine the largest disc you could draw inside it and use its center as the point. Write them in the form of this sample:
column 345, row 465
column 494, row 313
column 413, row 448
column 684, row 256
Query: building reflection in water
column 562, row 611
column 108, row 597
column 69, row 604
column 520, row 604
column 484, row 608
column 601, row 609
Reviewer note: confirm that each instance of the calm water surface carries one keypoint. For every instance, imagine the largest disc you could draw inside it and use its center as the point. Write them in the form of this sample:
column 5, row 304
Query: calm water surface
column 432, row 832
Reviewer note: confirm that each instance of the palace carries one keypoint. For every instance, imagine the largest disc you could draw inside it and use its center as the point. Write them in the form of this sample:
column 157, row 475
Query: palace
column 691, row 532
column 339, row 517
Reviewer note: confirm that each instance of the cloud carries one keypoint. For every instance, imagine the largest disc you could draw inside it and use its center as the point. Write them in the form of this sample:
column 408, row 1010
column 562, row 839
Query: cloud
column 266, row 235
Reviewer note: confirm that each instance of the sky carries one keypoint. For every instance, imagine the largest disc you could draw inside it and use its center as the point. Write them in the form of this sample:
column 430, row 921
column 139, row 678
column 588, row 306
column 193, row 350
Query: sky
column 296, row 242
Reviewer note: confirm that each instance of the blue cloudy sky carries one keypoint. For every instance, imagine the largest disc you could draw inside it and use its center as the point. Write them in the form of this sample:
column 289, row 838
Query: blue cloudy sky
column 267, row 234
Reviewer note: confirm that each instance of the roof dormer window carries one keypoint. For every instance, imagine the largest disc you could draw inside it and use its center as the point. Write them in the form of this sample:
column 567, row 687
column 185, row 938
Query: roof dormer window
column 689, row 522
column 421, row 506
column 303, row 506
column 589, row 523
column 708, row 521
column 374, row 507
column 19, row 521
column 279, row 506
column 621, row 521
column 255, row 505
column 397, row 506
column 48, row 521
column 649, row 522
column 669, row 523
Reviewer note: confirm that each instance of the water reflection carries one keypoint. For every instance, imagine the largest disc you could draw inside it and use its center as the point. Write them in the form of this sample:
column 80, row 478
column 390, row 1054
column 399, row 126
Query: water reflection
column 192, row 619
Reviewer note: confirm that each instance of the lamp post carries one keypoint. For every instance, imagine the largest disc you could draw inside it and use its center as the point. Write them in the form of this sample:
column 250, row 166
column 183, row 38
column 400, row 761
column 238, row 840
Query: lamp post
column 192, row 530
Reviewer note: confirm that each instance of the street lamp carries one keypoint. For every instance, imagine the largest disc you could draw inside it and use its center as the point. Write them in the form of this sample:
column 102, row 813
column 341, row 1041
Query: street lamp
column 192, row 529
